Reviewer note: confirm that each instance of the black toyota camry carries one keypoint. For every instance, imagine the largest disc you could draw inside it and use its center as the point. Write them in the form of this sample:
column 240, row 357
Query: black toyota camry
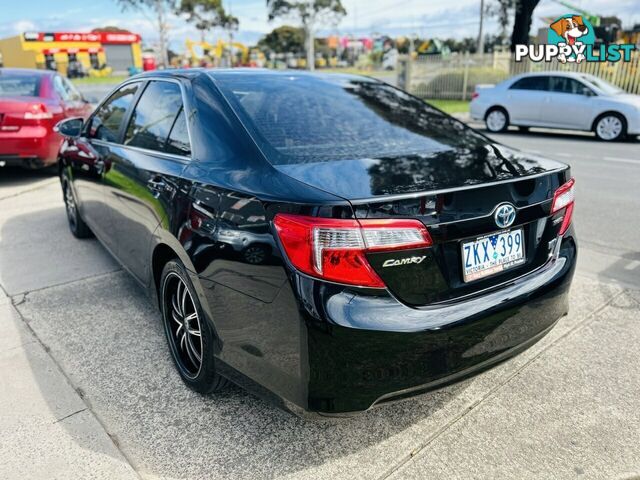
column 328, row 242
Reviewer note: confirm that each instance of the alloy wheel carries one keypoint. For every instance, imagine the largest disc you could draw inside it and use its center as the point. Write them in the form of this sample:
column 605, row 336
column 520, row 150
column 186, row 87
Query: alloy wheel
column 183, row 325
column 609, row 128
column 70, row 205
column 496, row 120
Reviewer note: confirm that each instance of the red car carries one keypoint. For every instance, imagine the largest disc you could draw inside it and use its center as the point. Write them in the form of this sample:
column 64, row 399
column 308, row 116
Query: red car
column 31, row 103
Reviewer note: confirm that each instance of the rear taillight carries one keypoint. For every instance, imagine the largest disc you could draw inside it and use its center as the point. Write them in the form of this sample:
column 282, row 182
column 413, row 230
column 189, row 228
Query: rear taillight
column 37, row 111
column 334, row 249
column 564, row 198
column 474, row 95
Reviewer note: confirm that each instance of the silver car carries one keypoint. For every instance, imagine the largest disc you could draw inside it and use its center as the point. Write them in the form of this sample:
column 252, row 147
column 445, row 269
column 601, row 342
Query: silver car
column 566, row 100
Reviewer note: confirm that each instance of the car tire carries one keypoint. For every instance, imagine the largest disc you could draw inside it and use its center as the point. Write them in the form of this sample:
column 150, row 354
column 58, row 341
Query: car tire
column 610, row 127
column 255, row 254
column 78, row 228
column 190, row 336
column 496, row 120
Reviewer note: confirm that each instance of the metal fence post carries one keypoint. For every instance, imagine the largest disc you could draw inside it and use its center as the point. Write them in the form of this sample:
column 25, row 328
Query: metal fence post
column 465, row 77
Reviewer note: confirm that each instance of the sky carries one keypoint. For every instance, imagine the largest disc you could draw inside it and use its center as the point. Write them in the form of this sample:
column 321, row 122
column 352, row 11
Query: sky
column 425, row 18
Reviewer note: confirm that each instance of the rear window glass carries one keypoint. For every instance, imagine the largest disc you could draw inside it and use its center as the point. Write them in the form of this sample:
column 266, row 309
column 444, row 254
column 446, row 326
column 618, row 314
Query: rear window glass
column 19, row 85
column 301, row 118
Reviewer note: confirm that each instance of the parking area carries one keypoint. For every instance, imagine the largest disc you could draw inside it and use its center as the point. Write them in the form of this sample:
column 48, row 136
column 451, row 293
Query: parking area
column 89, row 390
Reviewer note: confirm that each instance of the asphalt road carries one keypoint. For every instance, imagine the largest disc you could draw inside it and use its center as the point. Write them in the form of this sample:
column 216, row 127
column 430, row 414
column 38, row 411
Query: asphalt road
column 89, row 390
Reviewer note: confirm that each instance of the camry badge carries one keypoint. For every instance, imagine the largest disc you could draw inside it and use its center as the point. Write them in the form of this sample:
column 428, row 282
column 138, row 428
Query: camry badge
column 505, row 215
column 404, row 261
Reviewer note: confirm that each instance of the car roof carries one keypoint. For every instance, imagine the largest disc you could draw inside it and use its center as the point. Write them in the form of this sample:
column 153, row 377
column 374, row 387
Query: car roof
column 33, row 71
column 242, row 71
column 554, row 73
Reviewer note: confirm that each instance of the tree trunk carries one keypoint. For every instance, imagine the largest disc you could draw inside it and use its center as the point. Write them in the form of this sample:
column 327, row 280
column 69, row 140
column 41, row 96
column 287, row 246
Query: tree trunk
column 310, row 47
column 162, row 31
column 522, row 22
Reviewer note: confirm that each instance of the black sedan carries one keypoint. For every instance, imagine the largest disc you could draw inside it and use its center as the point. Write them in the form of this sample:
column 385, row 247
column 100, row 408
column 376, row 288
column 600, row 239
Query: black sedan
column 328, row 242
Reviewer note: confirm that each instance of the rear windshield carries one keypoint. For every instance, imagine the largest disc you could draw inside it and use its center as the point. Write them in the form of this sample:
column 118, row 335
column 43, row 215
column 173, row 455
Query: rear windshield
column 19, row 85
column 303, row 118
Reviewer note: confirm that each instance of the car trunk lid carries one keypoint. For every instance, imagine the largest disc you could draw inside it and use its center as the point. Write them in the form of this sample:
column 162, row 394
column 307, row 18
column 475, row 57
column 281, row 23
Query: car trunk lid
column 455, row 194
column 18, row 111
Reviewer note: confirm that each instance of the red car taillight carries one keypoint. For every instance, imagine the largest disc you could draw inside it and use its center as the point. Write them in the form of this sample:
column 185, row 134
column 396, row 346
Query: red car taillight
column 334, row 249
column 37, row 111
column 564, row 198
column 474, row 95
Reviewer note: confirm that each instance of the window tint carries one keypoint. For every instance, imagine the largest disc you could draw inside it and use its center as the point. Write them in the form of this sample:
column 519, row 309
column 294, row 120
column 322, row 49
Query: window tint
column 107, row 120
column 178, row 142
column 154, row 116
column 530, row 83
column 299, row 118
column 19, row 85
column 566, row 85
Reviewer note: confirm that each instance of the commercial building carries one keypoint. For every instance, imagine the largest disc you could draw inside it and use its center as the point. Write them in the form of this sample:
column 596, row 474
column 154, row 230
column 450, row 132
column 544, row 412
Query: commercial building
column 119, row 50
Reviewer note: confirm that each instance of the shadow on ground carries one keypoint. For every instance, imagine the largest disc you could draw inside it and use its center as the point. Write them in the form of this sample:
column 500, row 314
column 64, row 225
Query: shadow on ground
column 13, row 178
column 108, row 338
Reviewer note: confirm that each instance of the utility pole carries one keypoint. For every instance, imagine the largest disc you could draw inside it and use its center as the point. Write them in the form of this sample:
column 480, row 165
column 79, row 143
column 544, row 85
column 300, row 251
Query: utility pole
column 480, row 33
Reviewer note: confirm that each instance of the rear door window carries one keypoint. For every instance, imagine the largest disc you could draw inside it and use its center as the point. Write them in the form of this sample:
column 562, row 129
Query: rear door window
column 531, row 83
column 154, row 116
column 106, row 123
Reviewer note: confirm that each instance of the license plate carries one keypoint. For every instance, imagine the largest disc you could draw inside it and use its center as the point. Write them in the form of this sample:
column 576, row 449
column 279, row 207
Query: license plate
column 492, row 254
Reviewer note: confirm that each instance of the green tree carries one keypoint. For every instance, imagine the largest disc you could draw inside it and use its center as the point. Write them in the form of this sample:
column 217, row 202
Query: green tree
column 502, row 11
column 311, row 14
column 207, row 14
column 156, row 12
column 283, row 40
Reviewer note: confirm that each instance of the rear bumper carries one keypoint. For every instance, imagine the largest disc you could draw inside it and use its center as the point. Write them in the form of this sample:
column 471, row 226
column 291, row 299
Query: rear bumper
column 352, row 368
column 477, row 110
column 30, row 147
column 319, row 349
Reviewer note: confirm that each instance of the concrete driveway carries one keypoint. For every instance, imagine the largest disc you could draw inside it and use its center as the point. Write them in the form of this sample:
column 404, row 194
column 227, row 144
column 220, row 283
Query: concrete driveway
column 89, row 390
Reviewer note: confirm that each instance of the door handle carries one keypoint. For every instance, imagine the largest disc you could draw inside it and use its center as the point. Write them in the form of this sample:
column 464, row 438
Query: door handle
column 157, row 185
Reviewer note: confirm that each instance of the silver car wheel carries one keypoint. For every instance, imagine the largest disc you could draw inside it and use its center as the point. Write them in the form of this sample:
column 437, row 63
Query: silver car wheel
column 496, row 120
column 183, row 325
column 609, row 127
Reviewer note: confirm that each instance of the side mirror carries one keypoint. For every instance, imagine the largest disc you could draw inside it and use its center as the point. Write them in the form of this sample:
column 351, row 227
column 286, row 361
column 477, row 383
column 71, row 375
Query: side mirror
column 587, row 92
column 70, row 127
